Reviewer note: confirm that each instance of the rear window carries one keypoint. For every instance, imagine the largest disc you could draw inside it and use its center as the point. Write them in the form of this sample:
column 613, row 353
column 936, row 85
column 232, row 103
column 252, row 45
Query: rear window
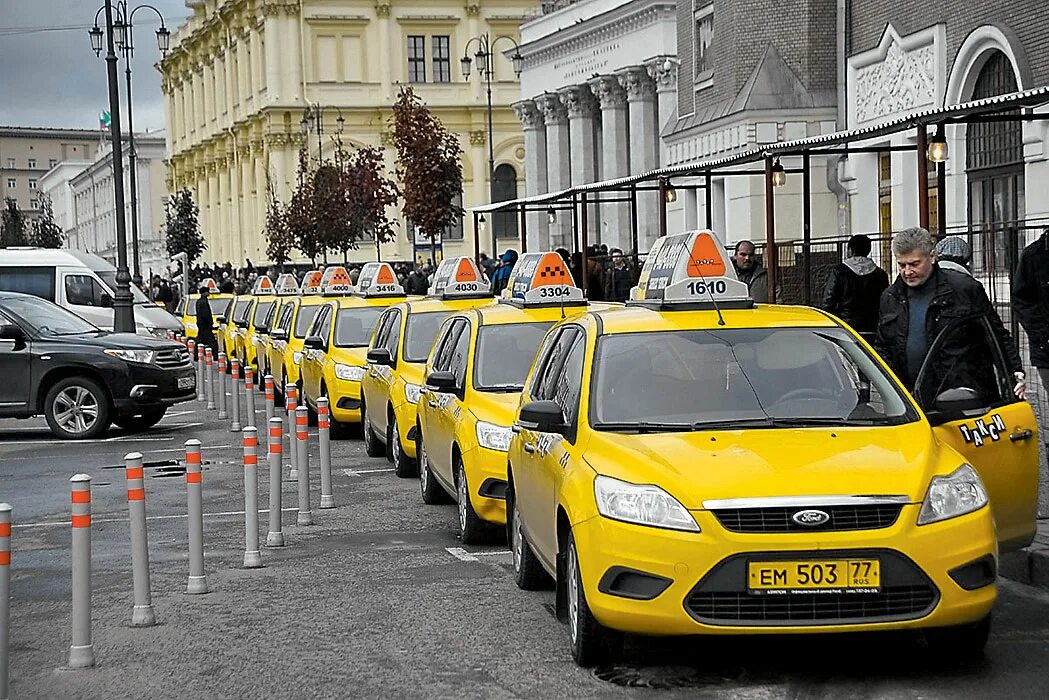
column 37, row 281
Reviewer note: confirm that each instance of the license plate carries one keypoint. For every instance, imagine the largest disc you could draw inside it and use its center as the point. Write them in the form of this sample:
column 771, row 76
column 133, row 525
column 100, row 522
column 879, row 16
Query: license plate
column 187, row 382
column 820, row 576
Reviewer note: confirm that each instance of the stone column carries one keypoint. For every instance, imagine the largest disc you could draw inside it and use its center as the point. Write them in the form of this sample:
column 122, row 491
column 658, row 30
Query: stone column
column 663, row 71
column 615, row 156
column 641, row 101
column 582, row 108
column 558, row 162
column 255, row 71
column 535, row 169
column 271, row 75
column 292, row 43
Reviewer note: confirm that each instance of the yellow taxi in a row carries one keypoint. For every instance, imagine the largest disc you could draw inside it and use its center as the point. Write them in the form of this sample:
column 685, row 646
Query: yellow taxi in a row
column 187, row 308
column 233, row 326
column 265, row 302
column 334, row 359
column 286, row 289
column 391, row 387
column 698, row 464
column 474, row 376
column 285, row 346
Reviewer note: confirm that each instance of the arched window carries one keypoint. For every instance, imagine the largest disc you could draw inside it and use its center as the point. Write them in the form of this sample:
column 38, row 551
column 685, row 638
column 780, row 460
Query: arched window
column 995, row 167
column 504, row 187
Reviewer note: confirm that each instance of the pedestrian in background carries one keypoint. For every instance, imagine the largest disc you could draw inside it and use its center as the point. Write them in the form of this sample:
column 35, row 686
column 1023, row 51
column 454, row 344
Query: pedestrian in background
column 854, row 288
column 954, row 253
column 920, row 304
column 618, row 277
column 750, row 271
column 205, row 323
column 501, row 276
column 1030, row 299
column 416, row 281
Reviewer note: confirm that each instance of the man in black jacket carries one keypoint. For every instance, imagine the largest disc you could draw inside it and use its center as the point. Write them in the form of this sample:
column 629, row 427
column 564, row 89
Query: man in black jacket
column 206, row 323
column 1031, row 302
column 854, row 287
column 923, row 301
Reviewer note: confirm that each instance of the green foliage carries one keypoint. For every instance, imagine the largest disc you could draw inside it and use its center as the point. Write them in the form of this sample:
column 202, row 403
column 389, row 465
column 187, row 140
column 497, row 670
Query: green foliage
column 46, row 233
column 300, row 215
column 13, row 227
column 278, row 237
column 182, row 229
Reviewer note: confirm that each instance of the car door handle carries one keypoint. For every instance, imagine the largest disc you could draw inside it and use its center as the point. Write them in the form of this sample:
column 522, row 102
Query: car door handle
column 529, row 448
column 1025, row 434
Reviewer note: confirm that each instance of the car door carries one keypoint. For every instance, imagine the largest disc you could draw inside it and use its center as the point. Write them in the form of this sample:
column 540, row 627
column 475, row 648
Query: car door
column 86, row 298
column 15, row 366
column 997, row 433
column 313, row 358
column 440, row 420
column 374, row 387
column 429, row 402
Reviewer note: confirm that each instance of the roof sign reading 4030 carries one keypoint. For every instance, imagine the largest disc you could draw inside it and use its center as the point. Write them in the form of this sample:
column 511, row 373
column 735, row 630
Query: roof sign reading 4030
column 459, row 277
column 690, row 268
column 542, row 278
column 378, row 280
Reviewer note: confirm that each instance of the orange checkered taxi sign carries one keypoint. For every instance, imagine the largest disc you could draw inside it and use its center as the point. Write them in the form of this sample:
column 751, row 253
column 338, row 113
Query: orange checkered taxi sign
column 286, row 285
column 542, row 278
column 210, row 283
column 692, row 268
column 459, row 277
column 336, row 280
column 379, row 280
column 311, row 283
column 263, row 286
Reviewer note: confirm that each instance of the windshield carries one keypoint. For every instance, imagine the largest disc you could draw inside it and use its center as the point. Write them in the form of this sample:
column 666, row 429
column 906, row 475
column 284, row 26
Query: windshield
column 305, row 320
column 505, row 354
column 240, row 310
column 41, row 317
column 353, row 327
column 262, row 312
column 109, row 277
column 219, row 307
column 700, row 379
column 420, row 334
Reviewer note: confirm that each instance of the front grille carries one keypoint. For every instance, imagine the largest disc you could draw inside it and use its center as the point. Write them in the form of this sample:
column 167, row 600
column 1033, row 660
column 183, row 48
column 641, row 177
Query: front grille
column 172, row 359
column 844, row 517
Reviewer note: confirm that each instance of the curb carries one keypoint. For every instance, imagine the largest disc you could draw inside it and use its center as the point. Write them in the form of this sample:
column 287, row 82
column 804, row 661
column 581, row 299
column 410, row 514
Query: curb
column 1029, row 566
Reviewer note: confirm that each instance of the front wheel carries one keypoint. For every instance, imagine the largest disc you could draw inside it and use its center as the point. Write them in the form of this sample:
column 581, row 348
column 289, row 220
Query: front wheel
column 372, row 446
column 77, row 408
column 472, row 529
column 403, row 465
column 432, row 492
column 144, row 421
column 592, row 642
column 529, row 574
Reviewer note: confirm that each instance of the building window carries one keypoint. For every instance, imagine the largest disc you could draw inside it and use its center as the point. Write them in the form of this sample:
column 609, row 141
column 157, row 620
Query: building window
column 52, row 163
column 504, row 187
column 885, row 193
column 416, row 59
column 442, row 59
column 32, row 183
column 32, row 204
column 11, row 183
column 10, row 162
column 32, row 163
column 703, row 35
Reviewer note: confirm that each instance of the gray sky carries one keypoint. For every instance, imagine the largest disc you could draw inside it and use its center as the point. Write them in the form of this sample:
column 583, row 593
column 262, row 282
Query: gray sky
column 49, row 75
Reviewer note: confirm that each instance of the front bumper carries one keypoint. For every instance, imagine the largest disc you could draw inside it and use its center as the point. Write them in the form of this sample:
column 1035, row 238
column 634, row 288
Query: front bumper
column 486, row 474
column 704, row 583
column 407, row 416
column 345, row 399
column 148, row 388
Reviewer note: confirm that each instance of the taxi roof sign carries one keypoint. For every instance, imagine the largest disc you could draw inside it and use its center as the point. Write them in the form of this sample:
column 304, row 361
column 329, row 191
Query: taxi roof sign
column 311, row 282
column 542, row 279
column 690, row 269
column 378, row 280
column 336, row 280
column 459, row 277
column 210, row 283
column 263, row 285
column 286, row 285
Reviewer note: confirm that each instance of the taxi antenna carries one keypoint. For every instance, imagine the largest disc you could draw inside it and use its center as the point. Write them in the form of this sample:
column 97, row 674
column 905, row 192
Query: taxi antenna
column 721, row 319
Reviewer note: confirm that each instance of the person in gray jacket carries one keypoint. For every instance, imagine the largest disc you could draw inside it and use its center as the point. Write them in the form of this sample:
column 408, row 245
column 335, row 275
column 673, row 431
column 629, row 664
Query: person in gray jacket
column 853, row 291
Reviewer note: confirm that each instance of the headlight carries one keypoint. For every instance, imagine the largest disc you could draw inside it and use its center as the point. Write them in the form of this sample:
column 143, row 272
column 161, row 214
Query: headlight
column 412, row 392
column 644, row 505
column 296, row 357
column 141, row 356
column 349, row 373
column 958, row 493
column 492, row 436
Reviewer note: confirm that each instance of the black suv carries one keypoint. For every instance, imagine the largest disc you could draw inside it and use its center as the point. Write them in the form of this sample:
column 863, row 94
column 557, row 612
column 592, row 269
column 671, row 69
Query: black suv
column 82, row 378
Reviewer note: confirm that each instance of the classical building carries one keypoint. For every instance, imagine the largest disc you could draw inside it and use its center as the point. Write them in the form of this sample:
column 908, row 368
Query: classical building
column 242, row 73
column 598, row 84
column 27, row 153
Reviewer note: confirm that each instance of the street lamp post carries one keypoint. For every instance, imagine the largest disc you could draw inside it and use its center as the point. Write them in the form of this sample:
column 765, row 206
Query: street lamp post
column 485, row 65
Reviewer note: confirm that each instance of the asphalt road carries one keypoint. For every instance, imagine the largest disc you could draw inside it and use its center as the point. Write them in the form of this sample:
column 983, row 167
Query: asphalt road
column 380, row 599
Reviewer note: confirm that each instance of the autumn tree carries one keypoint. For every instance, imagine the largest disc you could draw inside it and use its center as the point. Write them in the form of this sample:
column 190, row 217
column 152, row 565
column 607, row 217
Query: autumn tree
column 13, row 227
column 278, row 237
column 300, row 215
column 429, row 165
column 370, row 195
column 330, row 208
column 181, row 226
column 45, row 232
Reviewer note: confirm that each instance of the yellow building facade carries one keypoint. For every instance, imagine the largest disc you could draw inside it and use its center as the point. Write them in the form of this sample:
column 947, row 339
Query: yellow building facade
column 242, row 74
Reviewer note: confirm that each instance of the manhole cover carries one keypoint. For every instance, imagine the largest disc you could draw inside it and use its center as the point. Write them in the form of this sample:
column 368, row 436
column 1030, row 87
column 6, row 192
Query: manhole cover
column 168, row 472
column 657, row 677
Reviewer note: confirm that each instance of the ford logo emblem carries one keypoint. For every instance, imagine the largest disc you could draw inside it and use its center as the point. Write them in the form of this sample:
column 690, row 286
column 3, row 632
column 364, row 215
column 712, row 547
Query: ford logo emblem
column 811, row 518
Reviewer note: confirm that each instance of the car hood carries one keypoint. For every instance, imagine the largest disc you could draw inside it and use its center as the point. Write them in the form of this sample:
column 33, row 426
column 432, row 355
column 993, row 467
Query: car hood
column 349, row 356
column 495, row 408
column 701, row 466
column 152, row 316
column 124, row 341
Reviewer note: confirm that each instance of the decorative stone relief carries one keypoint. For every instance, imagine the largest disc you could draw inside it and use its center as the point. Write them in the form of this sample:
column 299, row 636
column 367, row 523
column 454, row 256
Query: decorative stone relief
column 473, row 10
column 663, row 70
column 528, row 113
column 553, row 110
column 904, row 80
column 637, row 83
column 578, row 100
column 382, row 10
column 609, row 92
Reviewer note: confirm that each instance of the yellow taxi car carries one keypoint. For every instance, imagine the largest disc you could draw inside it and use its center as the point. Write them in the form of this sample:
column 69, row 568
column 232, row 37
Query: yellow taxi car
column 284, row 350
column 187, row 308
column 397, row 357
column 286, row 289
column 234, row 326
column 698, row 464
column 265, row 296
column 474, row 377
column 333, row 361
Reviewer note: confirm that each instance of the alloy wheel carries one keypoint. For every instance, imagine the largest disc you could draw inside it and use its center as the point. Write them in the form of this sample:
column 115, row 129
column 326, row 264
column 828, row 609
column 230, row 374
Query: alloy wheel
column 76, row 409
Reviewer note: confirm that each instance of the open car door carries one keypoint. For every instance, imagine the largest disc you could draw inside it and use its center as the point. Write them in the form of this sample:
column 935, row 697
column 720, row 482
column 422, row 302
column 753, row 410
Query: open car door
column 966, row 391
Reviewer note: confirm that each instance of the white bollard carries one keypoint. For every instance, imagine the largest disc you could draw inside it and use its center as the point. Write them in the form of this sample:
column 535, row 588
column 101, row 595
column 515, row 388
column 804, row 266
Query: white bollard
column 275, row 537
column 5, row 592
column 324, row 441
column 235, row 425
column 250, row 409
column 302, row 436
column 291, row 402
column 209, row 373
column 222, row 387
column 198, row 581
column 81, row 651
column 252, row 555
column 142, row 613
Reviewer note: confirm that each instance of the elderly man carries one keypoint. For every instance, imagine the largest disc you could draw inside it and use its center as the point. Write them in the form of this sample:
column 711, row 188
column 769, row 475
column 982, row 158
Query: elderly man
column 922, row 302
column 750, row 271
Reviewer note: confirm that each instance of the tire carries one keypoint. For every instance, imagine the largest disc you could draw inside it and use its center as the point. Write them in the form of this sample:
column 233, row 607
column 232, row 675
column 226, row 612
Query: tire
column 592, row 642
column 472, row 529
column 372, row 446
column 529, row 574
column 433, row 494
column 77, row 408
column 961, row 642
column 403, row 466
column 145, row 421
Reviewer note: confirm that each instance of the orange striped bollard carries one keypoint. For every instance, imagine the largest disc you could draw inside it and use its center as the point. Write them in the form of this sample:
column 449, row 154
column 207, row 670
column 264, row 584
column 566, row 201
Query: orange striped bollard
column 252, row 555
column 275, row 537
column 209, row 376
column 200, row 373
column 302, row 436
column 222, row 386
column 5, row 592
column 271, row 406
column 142, row 613
column 324, row 441
column 198, row 582
column 81, row 651
column 291, row 402
column 249, row 396
column 234, row 398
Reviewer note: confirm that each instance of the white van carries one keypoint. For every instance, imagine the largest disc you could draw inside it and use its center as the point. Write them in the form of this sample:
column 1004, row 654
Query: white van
column 83, row 283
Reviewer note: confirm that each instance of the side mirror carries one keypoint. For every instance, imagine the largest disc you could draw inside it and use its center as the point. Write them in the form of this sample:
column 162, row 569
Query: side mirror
column 279, row 334
column 442, row 383
column 11, row 332
column 220, row 319
column 314, row 342
column 380, row 356
column 242, row 324
column 262, row 328
column 105, row 301
column 955, row 404
column 542, row 416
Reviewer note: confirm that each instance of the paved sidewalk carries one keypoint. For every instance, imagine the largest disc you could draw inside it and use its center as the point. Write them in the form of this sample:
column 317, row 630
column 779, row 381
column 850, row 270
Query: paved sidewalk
column 1031, row 565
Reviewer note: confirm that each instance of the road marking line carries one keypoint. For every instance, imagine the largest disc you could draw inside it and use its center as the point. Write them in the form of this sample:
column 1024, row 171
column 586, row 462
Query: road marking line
column 491, row 554
column 460, row 554
column 358, row 472
column 223, row 514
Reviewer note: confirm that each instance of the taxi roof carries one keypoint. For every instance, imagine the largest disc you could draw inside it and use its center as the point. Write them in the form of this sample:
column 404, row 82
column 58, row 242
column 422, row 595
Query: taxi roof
column 502, row 314
column 263, row 286
column 428, row 304
column 638, row 319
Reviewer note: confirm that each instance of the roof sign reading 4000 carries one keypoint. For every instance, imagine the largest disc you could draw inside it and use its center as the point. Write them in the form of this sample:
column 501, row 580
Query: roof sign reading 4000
column 286, row 285
column 311, row 283
column 263, row 285
column 689, row 268
column 336, row 280
column 457, row 277
column 378, row 280
column 542, row 278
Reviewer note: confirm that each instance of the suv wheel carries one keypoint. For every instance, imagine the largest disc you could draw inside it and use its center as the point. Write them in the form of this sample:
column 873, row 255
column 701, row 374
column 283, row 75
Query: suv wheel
column 77, row 408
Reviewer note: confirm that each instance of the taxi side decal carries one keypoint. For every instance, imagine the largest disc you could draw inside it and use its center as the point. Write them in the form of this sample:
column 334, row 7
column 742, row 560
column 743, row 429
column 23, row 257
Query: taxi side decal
column 981, row 430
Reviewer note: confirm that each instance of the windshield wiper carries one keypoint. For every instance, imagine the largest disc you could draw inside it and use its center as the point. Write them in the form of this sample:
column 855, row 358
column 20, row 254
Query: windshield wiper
column 501, row 388
column 644, row 427
column 801, row 422
column 764, row 422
